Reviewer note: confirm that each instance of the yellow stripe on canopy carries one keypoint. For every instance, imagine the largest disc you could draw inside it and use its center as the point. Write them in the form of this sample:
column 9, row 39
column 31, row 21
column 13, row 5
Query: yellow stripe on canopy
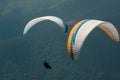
column 69, row 42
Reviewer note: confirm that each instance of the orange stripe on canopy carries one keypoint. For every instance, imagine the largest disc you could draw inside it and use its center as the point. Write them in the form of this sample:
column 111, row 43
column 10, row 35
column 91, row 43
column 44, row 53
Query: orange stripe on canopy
column 69, row 42
column 107, row 31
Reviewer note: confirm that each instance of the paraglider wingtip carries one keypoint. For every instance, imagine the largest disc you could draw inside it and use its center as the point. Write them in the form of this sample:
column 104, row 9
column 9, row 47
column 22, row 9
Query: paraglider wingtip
column 117, row 40
column 24, row 33
column 66, row 26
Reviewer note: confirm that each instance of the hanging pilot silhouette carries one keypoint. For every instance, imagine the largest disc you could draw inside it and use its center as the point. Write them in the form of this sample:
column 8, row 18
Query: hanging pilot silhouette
column 46, row 65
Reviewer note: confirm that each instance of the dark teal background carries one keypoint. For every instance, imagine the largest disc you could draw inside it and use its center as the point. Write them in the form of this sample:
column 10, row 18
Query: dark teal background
column 22, row 57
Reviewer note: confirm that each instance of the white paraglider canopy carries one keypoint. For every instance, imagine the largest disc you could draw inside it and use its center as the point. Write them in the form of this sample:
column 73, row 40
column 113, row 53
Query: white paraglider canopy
column 55, row 19
column 82, row 29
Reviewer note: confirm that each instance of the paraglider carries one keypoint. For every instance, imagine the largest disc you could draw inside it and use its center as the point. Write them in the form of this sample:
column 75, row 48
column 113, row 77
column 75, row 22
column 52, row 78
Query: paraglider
column 46, row 65
column 55, row 19
column 82, row 29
